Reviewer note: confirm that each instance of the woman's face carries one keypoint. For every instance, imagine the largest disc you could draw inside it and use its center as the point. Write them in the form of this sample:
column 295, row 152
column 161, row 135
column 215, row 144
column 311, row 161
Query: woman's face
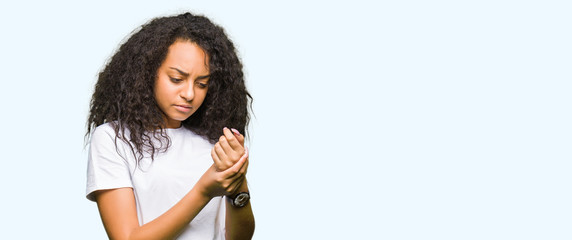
column 182, row 82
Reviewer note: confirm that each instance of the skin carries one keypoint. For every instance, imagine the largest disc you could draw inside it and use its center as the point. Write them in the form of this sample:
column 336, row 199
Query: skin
column 239, row 221
column 182, row 82
column 180, row 89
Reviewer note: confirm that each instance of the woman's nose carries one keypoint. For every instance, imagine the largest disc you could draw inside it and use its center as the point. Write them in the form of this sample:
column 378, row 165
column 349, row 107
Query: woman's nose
column 188, row 92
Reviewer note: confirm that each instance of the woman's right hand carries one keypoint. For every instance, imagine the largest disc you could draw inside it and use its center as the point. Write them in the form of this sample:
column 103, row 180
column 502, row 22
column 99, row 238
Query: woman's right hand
column 228, row 150
column 215, row 183
column 119, row 213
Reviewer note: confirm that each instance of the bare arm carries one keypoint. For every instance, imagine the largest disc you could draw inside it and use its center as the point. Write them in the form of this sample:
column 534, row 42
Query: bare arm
column 239, row 222
column 118, row 211
column 119, row 216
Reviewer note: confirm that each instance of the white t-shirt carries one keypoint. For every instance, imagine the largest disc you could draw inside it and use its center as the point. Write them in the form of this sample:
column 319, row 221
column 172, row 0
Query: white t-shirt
column 160, row 183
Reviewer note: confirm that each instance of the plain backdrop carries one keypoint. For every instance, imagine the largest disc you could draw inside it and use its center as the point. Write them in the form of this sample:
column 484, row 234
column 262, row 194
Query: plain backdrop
column 373, row 119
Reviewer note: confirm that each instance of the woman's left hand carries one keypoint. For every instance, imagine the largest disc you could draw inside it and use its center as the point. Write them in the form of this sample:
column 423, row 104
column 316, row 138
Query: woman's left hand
column 228, row 150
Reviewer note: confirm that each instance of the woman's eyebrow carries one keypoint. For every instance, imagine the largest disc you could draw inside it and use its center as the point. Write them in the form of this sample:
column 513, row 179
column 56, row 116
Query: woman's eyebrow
column 185, row 74
column 203, row 77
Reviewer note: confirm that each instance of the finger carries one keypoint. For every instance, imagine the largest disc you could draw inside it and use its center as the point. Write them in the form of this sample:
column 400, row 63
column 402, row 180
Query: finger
column 238, row 136
column 233, row 141
column 244, row 168
column 217, row 162
column 226, row 145
column 233, row 153
column 235, row 169
column 222, row 155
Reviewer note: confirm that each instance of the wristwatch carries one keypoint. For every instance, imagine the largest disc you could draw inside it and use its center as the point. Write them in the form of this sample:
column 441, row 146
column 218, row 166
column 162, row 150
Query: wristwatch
column 240, row 200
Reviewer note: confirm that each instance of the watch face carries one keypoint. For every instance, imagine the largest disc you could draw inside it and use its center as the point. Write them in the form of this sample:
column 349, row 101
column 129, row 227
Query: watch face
column 241, row 199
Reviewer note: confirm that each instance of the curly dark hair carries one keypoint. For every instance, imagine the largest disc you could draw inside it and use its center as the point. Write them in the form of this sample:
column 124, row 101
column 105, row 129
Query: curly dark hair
column 124, row 93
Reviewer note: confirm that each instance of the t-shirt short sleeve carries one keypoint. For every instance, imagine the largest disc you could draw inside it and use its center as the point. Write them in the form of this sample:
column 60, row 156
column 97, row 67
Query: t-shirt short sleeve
column 107, row 168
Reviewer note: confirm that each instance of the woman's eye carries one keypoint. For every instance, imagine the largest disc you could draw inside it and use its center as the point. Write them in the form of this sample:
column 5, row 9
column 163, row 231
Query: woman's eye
column 203, row 85
column 176, row 80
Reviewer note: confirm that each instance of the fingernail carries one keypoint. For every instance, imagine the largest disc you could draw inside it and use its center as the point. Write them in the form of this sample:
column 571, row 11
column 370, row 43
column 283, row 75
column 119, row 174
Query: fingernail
column 235, row 131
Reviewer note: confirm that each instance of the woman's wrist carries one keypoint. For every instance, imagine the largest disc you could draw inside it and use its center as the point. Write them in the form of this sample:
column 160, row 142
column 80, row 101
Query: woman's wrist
column 242, row 189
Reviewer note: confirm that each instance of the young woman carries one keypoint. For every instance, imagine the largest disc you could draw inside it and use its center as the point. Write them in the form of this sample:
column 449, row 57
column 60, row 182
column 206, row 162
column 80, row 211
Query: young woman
column 167, row 158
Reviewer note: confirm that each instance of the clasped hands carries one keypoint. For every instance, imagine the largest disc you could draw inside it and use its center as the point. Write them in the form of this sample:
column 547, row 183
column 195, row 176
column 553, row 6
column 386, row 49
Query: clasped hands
column 230, row 162
column 229, row 149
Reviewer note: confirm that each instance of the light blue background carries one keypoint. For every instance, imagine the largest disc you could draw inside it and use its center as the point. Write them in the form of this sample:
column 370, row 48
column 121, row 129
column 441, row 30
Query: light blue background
column 374, row 119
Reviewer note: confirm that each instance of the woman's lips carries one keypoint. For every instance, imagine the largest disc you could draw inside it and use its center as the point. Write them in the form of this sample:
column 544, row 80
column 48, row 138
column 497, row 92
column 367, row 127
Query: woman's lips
column 183, row 108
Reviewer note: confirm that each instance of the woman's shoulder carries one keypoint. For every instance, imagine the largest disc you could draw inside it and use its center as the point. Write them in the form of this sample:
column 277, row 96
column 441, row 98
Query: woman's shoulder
column 107, row 130
column 105, row 138
column 105, row 127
